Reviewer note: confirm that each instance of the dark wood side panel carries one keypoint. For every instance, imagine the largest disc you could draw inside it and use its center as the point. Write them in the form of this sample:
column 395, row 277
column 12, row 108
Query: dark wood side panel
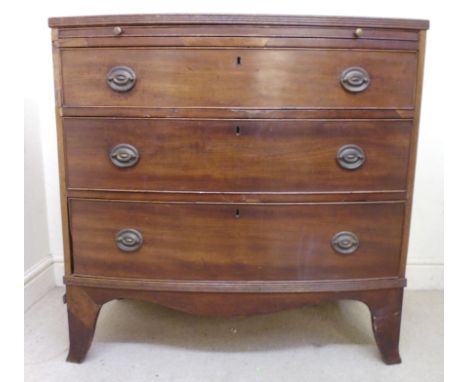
column 273, row 78
column 236, row 155
column 57, row 65
column 412, row 154
column 222, row 242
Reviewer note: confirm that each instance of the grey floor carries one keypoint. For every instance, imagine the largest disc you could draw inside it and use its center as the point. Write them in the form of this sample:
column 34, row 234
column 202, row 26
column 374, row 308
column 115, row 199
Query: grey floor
column 138, row 341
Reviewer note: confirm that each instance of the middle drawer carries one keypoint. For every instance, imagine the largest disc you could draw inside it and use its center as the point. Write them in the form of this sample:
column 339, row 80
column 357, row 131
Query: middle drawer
column 236, row 155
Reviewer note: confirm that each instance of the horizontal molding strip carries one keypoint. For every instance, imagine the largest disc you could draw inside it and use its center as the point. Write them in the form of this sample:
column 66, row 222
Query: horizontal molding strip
column 238, row 31
column 288, row 108
column 236, row 197
column 235, row 286
column 255, row 119
column 194, row 19
column 245, row 192
column 223, row 43
column 253, row 203
column 234, row 112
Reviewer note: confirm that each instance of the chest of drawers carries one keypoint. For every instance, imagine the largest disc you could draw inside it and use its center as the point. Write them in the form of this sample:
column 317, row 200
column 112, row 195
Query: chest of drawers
column 234, row 165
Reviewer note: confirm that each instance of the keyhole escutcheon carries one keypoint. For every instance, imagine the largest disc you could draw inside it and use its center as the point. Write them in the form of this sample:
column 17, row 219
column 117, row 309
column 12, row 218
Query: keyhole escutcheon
column 237, row 213
column 238, row 60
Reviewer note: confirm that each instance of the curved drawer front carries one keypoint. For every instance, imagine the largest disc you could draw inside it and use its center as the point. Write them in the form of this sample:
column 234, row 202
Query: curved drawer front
column 229, row 242
column 244, row 78
column 235, row 156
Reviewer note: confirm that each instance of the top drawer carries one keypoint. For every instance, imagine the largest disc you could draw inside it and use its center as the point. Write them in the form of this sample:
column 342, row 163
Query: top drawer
column 238, row 78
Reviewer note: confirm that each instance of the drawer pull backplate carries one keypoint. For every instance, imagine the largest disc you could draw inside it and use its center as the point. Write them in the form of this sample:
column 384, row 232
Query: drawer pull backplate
column 129, row 240
column 345, row 243
column 355, row 79
column 350, row 157
column 121, row 78
column 124, row 155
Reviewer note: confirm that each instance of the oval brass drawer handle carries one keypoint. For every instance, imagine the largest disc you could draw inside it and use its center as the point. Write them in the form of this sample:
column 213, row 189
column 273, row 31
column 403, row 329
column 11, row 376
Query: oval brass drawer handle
column 350, row 157
column 355, row 79
column 129, row 240
column 124, row 155
column 345, row 243
column 121, row 78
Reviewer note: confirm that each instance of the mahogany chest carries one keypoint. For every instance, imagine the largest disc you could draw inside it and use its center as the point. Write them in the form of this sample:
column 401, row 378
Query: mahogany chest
column 233, row 165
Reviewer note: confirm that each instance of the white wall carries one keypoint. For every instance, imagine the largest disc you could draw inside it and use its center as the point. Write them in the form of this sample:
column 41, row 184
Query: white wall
column 425, row 269
column 38, row 265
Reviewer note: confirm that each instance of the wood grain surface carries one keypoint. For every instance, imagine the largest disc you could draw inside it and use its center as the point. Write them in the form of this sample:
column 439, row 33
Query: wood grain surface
column 236, row 156
column 384, row 305
column 206, row 30
column 219, row 242
column 223, row 20
column 277, row 78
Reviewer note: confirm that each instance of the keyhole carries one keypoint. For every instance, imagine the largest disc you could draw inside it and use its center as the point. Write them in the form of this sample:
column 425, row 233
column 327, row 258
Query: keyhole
column 238, row 60
column 237, row 130
column 237, row 213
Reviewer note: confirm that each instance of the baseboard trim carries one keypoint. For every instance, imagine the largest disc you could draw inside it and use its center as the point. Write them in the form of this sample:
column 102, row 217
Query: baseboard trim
column 38, row 280
column 59, row 270
column 424, row 276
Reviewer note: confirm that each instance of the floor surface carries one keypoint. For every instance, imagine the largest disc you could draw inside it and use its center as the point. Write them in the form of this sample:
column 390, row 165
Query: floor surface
column 139, row 341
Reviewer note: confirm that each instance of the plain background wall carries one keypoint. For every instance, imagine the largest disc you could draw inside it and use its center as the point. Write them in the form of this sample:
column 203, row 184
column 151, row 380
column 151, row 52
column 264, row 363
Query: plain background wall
column 38, row 264
column 425, row 262
column 36, row 247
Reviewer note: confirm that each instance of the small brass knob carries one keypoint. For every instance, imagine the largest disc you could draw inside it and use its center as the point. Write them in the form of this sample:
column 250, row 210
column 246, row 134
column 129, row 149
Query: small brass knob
column 358, row 32
column 118, row 31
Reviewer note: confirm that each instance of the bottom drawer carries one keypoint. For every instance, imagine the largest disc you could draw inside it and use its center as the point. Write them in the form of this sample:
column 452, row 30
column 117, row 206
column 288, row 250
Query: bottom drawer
column 235, row 242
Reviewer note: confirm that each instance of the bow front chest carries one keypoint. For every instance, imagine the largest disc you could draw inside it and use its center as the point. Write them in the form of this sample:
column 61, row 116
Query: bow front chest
column 233, row 165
